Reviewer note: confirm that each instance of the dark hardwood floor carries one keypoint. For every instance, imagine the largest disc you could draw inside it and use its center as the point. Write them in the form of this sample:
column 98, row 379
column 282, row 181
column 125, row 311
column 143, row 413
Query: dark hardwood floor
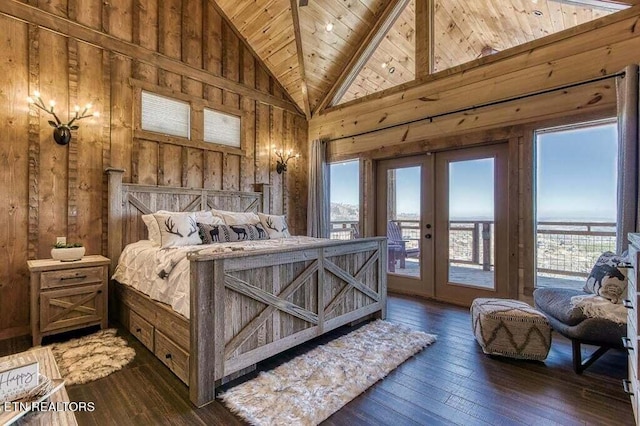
column 450, row 382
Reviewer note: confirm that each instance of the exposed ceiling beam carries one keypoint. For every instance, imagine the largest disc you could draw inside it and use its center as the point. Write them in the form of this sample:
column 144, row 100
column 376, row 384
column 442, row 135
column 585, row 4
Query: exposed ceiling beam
column 366, row 48
column 303, row 76
column 424, row 37
column 253, row 52
column 602, row 4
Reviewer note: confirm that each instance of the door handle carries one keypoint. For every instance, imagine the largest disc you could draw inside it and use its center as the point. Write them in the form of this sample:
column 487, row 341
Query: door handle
column 428, row 236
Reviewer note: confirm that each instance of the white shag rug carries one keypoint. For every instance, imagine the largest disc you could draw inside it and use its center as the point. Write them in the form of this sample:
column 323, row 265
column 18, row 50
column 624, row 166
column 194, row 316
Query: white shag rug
column 312, row 386
column 91, row 357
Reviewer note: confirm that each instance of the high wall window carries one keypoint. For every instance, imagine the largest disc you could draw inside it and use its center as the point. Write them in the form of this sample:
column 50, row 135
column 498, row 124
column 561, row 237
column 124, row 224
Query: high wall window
column 576, row 200
column 221, row 128
column 345, row 200
column 161, row 114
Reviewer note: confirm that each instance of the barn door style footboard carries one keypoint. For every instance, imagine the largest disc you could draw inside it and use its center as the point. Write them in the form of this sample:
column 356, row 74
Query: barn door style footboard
column 247, row 307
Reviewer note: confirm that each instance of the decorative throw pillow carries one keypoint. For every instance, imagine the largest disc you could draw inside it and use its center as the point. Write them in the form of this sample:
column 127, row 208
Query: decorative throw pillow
column 607, row 279
column 177, row 229
column 237, row 218
column 153, row 230
column 230, row 233
column 276, row 226
column 206, row 216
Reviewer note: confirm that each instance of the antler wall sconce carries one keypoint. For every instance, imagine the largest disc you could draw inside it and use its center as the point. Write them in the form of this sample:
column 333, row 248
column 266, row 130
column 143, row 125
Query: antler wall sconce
column 61, row 131
column 283, row 159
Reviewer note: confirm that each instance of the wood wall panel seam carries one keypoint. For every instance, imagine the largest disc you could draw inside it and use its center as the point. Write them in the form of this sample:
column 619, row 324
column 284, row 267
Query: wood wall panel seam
column 34, row 143
column 72, row 148
column 24, row 12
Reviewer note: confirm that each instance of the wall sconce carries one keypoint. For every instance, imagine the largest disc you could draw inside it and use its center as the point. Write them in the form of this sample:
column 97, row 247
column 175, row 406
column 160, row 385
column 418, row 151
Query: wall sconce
column 61, row 132
column 283, row 159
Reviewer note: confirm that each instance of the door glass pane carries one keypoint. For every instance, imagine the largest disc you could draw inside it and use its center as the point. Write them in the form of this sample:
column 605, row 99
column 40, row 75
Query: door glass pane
column 403, row 221
column 471, row 223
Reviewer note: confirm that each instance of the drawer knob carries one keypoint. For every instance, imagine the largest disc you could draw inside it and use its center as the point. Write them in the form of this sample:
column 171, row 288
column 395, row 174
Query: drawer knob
column 138, row 330
column 99, row 292
column 626, row 386
column 168, row 356
column 77, row 277
column 626, row 343
column 627, row 304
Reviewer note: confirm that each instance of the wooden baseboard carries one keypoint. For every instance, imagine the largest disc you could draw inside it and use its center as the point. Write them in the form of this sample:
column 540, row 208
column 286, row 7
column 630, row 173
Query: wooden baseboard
column 9, row 333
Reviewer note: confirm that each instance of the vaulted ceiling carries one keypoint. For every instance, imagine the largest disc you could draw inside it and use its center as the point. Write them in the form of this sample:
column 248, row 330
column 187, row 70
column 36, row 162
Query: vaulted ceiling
column 309, row 49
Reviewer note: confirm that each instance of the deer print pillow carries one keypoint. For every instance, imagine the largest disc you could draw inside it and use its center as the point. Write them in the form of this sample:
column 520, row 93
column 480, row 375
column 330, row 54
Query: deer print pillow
column 607, row 279
column 229, row 233
column 276, row 226
column 177, row 229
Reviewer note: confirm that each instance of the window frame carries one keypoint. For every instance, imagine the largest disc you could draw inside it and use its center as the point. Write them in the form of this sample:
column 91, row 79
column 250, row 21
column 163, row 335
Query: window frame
column 196, row 117
column 361, row 166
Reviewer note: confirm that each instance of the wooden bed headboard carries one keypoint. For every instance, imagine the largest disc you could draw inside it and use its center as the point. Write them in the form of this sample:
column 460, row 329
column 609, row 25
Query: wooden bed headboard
column 128, row 202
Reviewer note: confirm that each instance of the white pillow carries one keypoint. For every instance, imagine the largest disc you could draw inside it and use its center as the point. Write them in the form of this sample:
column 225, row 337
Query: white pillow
column 207, row 217
column 276, row 226
column 177, row 229
column 235, row 218
column 153, row 230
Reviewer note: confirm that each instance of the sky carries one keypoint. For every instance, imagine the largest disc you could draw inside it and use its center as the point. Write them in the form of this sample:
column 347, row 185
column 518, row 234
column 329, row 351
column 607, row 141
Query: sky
column 576, row 179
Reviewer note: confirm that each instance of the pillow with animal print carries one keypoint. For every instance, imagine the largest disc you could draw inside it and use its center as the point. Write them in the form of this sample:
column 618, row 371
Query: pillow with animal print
column 177, row 229
column 153, row 229
column 276, row 226
column 229, row 233
column 607, row 279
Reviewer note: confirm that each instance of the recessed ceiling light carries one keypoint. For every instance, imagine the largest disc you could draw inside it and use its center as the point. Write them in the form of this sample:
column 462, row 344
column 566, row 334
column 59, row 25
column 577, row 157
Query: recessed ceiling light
column 392, row 70
column 538, row 12
column 329, row 27
column 384, row 65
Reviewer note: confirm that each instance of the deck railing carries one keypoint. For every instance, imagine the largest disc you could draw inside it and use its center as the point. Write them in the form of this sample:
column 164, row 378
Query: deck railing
column 563, row 248
column 344, row 230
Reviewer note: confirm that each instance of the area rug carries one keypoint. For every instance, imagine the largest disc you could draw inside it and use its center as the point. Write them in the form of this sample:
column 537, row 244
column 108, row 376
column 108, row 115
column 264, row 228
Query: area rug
column 91, row 357
column 312, row 386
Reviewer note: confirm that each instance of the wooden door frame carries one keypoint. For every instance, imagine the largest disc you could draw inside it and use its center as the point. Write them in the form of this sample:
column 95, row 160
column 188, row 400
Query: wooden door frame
column 505, row 234
column 423, row 286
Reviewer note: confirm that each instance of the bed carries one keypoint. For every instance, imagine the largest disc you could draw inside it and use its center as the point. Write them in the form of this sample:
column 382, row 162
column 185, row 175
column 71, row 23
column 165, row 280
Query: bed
column 244, row 305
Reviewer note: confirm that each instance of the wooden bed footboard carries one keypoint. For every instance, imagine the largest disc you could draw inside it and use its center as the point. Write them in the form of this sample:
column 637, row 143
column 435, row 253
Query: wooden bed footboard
column 250, row 306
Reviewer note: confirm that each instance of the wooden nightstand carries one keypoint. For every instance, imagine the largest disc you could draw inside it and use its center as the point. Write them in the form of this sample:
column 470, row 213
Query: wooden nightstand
column 68, row 295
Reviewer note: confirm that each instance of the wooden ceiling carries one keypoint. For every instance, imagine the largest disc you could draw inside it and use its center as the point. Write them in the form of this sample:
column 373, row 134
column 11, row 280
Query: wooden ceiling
column 463, row 31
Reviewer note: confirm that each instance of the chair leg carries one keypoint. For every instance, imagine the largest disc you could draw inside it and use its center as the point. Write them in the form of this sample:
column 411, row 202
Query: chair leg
column 577, row 356
column 578, row 365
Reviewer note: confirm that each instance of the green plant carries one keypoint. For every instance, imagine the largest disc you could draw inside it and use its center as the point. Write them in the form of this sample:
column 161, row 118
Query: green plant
column 68, row 245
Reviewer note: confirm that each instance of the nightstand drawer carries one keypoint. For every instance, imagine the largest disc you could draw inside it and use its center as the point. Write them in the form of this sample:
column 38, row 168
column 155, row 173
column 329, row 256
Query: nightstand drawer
column 69, row 277
column 172, row 356
column 142, row 329
column 71, row 307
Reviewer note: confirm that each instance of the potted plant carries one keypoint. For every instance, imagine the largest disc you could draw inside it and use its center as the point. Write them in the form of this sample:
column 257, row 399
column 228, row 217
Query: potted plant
column 67, row 252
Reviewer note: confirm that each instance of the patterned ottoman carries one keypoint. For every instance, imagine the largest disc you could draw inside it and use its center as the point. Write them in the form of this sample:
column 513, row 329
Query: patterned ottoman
column 510, row 328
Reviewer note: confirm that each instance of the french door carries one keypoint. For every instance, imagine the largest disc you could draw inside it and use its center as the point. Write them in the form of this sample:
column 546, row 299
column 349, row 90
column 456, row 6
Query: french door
column 446, row 220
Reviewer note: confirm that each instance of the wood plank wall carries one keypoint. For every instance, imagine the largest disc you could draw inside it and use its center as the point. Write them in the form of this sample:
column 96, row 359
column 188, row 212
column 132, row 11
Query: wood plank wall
column 50, row 190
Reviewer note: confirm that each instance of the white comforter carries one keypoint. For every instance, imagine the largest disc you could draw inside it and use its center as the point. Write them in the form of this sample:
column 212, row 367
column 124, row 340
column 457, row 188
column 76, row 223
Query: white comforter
column 163, row 274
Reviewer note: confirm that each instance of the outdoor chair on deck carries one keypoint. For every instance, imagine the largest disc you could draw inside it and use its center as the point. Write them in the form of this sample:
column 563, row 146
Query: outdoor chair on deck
column 397, row 246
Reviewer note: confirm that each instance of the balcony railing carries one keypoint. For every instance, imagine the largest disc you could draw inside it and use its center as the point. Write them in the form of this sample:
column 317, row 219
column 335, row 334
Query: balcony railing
column 344, row 230
column 563, row 248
